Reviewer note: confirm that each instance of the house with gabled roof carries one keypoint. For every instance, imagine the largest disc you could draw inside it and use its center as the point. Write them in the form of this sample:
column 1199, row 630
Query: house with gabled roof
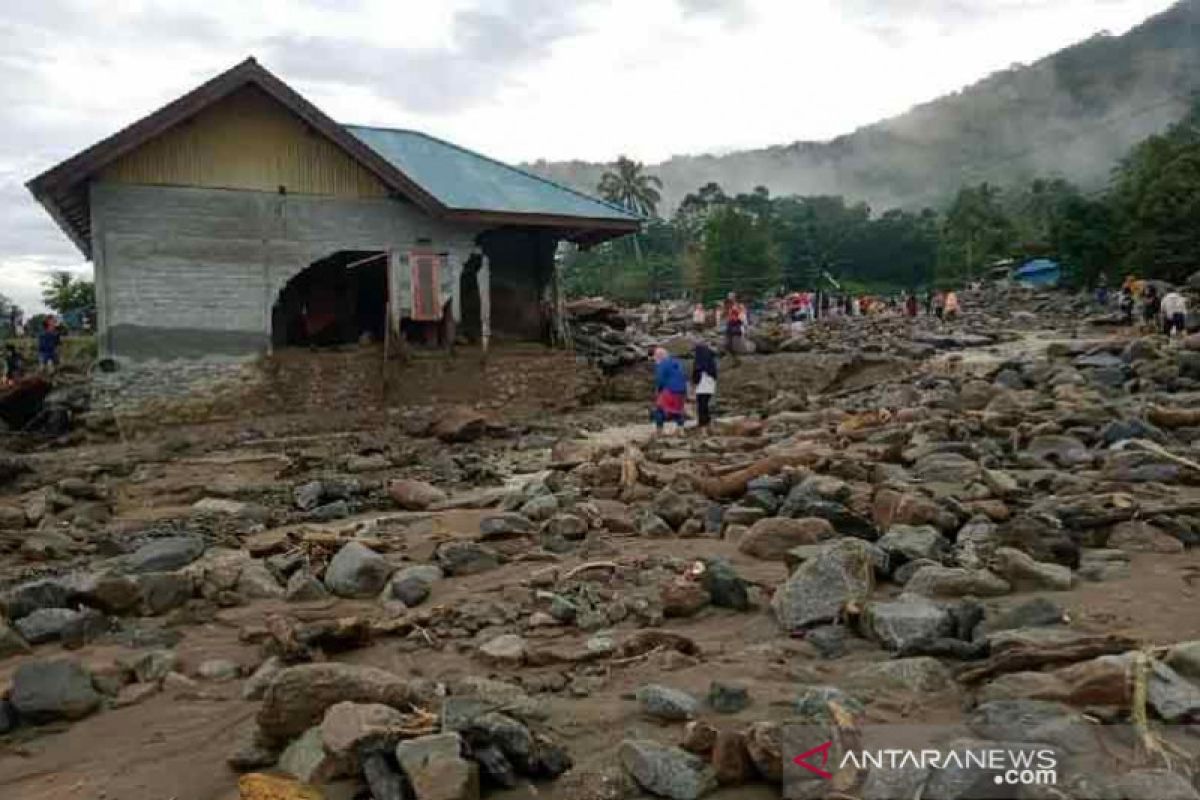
column 240, row 218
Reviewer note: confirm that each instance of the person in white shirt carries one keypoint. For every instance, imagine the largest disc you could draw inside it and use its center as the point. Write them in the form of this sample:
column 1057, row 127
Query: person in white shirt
column 1174, row 313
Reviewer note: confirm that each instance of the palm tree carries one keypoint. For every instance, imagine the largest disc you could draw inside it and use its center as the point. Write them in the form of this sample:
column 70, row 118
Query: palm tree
column 631, row 188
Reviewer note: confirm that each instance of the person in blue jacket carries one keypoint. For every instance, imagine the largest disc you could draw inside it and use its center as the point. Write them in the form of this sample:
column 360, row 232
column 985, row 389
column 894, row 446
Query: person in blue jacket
column 670, row 390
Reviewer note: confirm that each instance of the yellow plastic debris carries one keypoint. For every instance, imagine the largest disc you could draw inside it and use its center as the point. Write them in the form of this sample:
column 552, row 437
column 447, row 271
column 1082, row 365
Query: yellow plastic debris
column 259, row 786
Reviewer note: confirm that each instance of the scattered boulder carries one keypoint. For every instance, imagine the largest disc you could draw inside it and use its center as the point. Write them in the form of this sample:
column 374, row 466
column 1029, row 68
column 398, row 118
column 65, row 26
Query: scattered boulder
column 506, row 525
column 955, row 582
column 347, row 726
column 820, row 588
column 466, row 558
column 725, row 587
column 666, row 771
column 357, row 571
column 1035, row 721
column 901, row 624
column 665, row 703
column 411, row 585
column 45, row 691
column 728, row 698
column 415, row 495
column 162, row 555
column 436, row 769
column 671, row 508
column 459, row 424
column 46, row 624
column 771, row 539
column 908, row 543
column 298, row 696
column 1022, row 571
column 651, row 525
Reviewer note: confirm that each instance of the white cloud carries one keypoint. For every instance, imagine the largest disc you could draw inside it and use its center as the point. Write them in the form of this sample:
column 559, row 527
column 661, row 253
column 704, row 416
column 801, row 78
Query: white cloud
column 517, row 79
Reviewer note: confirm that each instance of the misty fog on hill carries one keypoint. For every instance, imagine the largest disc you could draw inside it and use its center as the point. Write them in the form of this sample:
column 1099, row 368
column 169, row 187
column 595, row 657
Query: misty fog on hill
column 1072, row 114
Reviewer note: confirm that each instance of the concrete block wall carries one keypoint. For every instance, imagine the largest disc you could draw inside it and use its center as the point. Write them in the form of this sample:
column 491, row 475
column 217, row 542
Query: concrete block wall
column 192, row 273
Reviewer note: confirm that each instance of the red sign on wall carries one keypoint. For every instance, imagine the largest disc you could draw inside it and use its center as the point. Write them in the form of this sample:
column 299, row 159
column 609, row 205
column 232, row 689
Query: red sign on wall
column 426, row 285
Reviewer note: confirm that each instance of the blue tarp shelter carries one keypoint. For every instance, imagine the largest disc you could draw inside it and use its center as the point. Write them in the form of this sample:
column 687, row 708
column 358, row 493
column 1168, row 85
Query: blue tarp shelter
column 1039, row 272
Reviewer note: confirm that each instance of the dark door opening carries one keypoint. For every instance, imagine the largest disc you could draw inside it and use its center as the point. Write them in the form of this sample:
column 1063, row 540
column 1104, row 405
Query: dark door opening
column 340, row 299
column 468, row 293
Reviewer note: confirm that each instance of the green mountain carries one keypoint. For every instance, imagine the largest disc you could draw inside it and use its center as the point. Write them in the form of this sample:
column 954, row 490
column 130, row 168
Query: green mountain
column 1072, row 114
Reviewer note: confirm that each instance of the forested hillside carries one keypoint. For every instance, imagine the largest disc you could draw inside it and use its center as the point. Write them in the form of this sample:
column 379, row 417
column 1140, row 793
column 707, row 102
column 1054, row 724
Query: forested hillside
column 1071, row 115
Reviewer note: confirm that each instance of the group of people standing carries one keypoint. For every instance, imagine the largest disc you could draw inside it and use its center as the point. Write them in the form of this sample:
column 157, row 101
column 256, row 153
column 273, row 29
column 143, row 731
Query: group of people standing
column 671, row 387
column 1167, row 313
column 808, row 306
column 49, row 342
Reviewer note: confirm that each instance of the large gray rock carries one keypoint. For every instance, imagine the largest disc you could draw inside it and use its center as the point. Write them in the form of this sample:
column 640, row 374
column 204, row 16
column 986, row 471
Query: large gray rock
column 1156, row 784
column 507, row 524
column 411, row 585
column 666, row 771
column 162, row 555
column 466, row 558
column 771, row 539
column 652, row 525
column 346, row 726
column 1173, row 697
column 903, row 623
column 357, row 571
column 415, row 495
column 29, row 597
column 298, row 696
column 955, row 582
column 911, row 542
column 164, row 591
column 46, row 624
column 975, row 544
column 1022, row 571
column 946, row 468
column 1040, row 721
column 919, row 674
column 671, row 507
column 1062, row 451
column 663, row 702
column 435, row 768
column 306, row 759
column 44, row 691
column 820, row 587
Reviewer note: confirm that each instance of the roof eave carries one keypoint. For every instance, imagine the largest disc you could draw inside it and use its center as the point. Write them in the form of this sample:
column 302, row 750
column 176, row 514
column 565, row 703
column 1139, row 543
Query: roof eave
column 619, row 226
column 84, row 246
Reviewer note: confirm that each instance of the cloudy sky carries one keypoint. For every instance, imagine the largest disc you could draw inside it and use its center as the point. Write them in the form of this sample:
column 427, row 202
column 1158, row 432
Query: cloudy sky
column 517, row 79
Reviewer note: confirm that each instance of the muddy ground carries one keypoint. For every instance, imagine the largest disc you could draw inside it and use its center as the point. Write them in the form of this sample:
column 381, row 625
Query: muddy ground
column 1027, row 405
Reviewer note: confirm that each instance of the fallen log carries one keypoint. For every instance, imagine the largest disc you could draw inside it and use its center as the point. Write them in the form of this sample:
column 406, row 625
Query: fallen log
column 1169, row 417
column 1034, row 657
column 719, row 487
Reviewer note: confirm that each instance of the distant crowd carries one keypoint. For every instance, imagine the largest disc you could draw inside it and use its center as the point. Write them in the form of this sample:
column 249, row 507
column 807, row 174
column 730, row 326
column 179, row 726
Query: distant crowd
column 1160, row 310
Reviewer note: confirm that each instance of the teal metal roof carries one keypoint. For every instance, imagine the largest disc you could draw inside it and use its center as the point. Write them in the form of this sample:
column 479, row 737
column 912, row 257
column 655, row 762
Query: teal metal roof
column 463, row 180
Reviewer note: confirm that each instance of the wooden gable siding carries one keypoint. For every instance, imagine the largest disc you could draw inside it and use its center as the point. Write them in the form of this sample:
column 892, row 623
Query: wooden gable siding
column 246, row 141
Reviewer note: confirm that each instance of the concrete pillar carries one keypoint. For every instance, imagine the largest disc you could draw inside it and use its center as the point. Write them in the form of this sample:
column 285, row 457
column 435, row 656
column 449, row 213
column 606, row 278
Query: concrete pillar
column 483, row 280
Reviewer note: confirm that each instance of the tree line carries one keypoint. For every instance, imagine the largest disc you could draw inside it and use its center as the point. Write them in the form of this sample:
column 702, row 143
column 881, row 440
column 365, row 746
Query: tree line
column 1146, row 222
column 72, row 299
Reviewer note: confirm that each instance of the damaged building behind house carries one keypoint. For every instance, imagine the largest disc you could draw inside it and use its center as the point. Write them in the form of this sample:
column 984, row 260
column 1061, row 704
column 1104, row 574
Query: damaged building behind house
column 240, row 218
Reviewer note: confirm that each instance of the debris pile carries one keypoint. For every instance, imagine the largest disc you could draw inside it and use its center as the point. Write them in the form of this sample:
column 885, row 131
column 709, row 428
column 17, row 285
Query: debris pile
column 988, row 525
